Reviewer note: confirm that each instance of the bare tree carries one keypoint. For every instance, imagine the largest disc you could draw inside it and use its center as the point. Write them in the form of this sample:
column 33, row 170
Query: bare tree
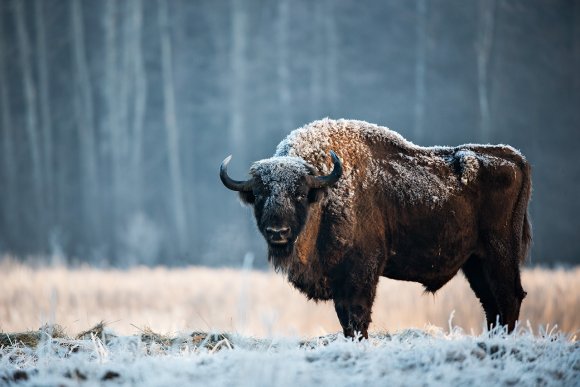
column 420, row 67
column 140, row 99
column 125, row 93
column 31, row 118
column 283, row 70
column 123, row 88
column 46, row 119
column 111, row 121
column 238, row 94
column 316, row 62
column 576, row 42
column 172, row 127
column 8, row 157
column 484, row 50
column 238, row 62
column 85, row 120
column 331, row 57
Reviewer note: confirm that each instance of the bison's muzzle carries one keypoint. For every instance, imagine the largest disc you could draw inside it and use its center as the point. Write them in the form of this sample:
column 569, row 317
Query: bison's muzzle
column 278, row 236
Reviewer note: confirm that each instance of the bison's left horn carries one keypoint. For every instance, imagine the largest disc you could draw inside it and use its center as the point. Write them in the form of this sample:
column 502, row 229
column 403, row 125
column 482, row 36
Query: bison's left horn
column 234, row 185
column 330, row 179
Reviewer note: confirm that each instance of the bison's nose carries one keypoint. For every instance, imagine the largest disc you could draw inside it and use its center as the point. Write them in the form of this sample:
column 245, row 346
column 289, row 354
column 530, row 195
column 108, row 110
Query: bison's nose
column 278, row 234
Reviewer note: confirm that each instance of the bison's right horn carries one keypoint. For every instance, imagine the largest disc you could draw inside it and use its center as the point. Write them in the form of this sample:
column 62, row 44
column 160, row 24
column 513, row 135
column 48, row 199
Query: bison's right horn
column 330, row 179
column 234, row 185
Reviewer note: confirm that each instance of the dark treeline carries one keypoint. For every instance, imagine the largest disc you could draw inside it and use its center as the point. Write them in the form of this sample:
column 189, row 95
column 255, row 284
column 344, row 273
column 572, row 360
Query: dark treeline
column 115, row 115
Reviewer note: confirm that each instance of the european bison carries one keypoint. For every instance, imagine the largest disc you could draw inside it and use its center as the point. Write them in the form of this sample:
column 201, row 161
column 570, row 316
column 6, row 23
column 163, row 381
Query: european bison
column 390, row 208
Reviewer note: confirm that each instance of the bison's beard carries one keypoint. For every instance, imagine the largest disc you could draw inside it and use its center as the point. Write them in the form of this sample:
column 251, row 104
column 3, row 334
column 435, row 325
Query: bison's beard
column 280, row 255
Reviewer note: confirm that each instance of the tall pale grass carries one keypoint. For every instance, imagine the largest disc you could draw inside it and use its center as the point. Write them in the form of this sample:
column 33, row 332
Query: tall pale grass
column 250, row 302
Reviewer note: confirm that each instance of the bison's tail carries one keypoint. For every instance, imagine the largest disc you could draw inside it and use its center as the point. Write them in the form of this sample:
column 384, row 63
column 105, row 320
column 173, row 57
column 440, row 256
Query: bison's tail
column 526, row 239
column 523, row 229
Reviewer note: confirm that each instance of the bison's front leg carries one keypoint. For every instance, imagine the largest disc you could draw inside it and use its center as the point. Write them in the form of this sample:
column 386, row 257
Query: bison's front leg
column 354, row 285
column 354, row 316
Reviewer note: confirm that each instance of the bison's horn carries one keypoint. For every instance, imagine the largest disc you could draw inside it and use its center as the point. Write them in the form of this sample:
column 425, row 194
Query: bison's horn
column 234, row 185
column 330, row 179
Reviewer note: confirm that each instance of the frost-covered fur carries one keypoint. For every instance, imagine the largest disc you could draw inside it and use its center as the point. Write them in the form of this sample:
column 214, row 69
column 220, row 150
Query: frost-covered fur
column 283, row 172
column 468, row 163
column 399, row 210
column 408, row 174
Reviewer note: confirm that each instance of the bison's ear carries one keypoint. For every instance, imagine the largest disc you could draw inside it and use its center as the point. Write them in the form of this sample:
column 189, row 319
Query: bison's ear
column 247, row 197
column 315, row 194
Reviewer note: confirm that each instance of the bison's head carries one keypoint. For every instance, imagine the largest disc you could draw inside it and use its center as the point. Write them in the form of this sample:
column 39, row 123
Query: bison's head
column 282, row 191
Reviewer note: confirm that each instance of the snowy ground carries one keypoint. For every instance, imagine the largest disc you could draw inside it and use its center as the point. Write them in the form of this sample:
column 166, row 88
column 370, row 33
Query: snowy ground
column 407, row 358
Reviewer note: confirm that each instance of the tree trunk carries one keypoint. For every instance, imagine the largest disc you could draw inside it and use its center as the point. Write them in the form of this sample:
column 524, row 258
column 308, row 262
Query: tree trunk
column 110, row 143
column 86, row 126
column 238, row 58
column 316, row 81
column 46, row 119
column 238, row 95
column 484, row 50
column 576, row 45
column 31, row 123
column 420, row 69
column 172, row 128
column 125, row 77
column 140, row 100
column 331, row 58
column 284, row 94
column 9, row 185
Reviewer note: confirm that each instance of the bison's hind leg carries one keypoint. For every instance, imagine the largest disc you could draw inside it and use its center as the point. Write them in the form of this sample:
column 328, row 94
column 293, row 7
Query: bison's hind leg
column 477, row 277
column 507, row 288
column 498, row 286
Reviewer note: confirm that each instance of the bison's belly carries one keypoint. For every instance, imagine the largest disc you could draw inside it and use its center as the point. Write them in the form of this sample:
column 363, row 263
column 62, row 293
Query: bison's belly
column 431, row 252
column 431, row 271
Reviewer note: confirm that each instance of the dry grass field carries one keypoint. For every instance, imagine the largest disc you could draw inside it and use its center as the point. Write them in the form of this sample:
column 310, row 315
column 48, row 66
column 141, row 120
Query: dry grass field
column 250, row 302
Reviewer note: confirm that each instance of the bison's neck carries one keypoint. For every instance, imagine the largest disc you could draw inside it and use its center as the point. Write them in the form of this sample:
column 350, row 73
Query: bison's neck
column 305, row 271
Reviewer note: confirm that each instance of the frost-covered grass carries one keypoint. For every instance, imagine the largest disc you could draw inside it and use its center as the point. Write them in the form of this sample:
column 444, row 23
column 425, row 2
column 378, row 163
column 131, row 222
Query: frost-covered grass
column 408, row 357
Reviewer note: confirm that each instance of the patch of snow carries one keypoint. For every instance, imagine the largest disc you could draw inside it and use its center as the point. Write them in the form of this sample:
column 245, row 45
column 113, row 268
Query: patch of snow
column 409, row 357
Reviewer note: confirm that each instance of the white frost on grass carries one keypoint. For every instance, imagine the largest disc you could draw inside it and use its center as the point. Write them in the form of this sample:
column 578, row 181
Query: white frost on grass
column 409, row 357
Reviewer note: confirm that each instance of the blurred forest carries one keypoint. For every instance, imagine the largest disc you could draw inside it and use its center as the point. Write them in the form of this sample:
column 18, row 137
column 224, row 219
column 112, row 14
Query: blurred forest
column 115, row 115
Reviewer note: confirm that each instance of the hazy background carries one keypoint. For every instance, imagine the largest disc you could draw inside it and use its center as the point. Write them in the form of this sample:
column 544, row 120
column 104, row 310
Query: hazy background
column 115, row 115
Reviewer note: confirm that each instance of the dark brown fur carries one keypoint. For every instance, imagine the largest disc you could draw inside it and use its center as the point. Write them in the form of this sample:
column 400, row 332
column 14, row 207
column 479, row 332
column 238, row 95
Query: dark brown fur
column 481, row 228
